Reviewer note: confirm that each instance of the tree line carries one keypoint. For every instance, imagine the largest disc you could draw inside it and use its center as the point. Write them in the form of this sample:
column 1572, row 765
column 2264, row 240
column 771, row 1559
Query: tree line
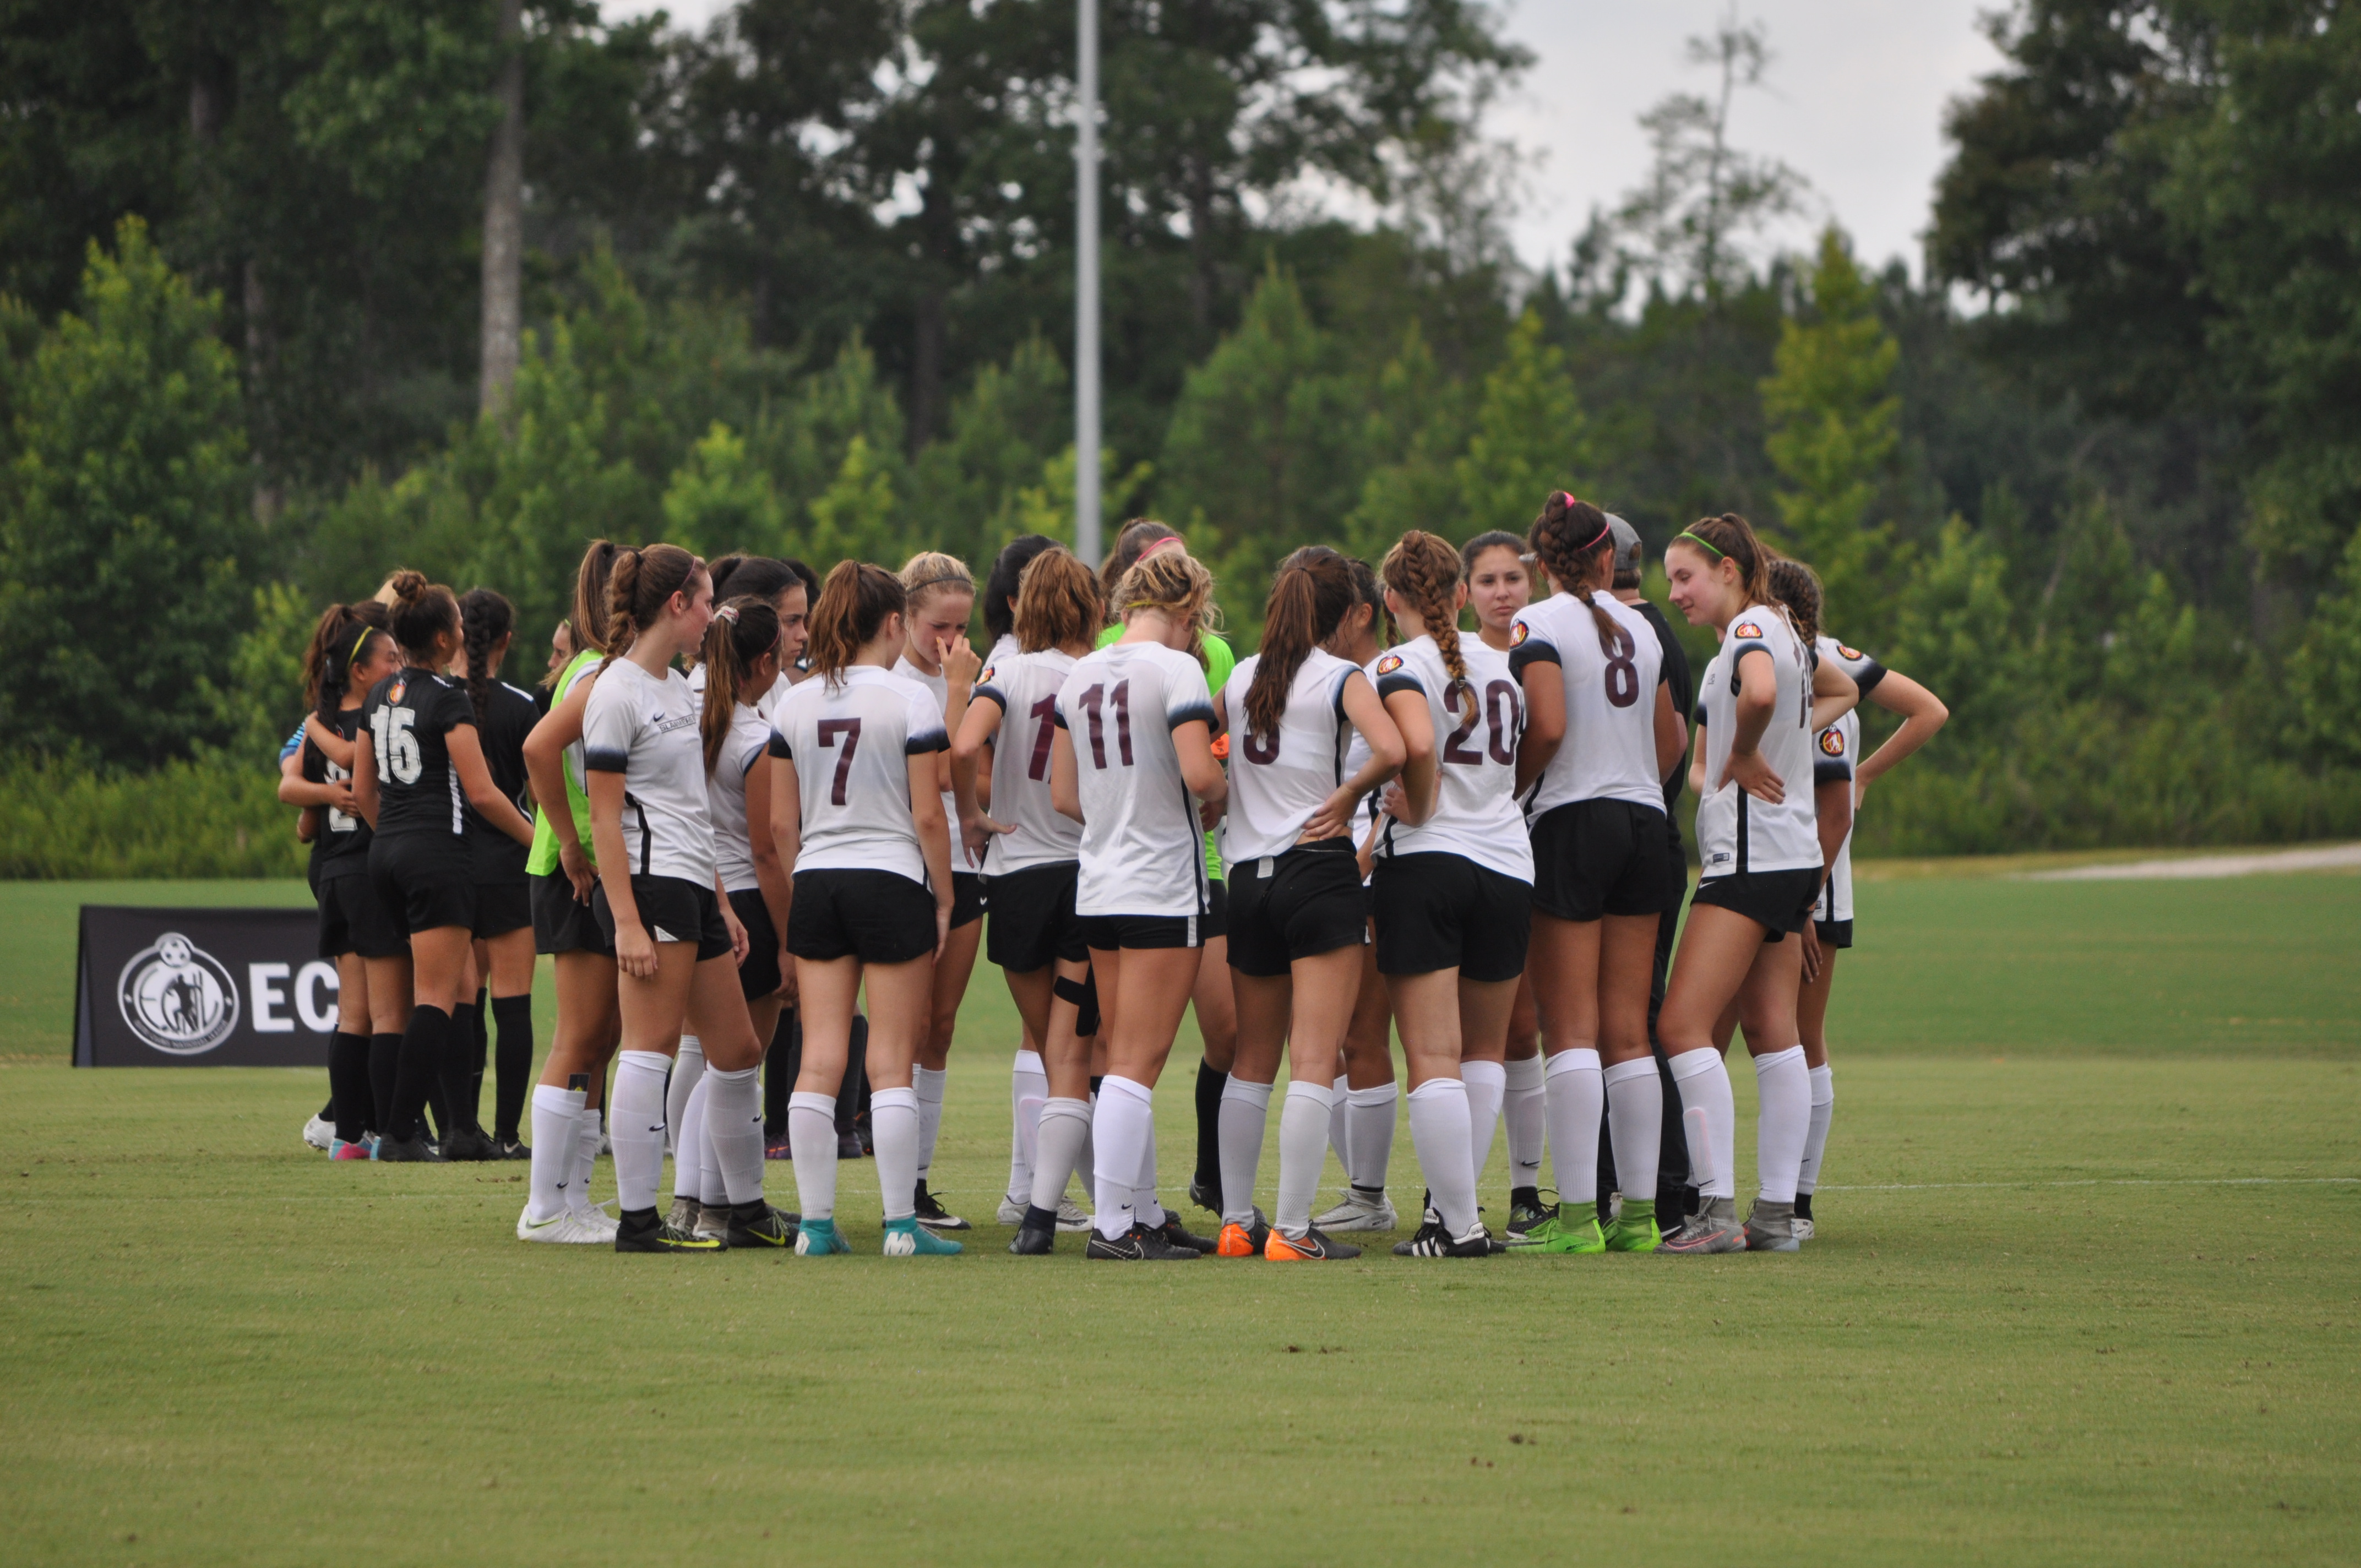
column 299, row 290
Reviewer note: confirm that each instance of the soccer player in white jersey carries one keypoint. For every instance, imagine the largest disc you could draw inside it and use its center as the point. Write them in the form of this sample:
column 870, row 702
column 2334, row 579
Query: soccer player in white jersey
column 1032, row 857
column 659, row 900
column 1132, row 757
column 741, row 666
column 1841, row 779
column 859, row 827
column 1758, row 836
column 1454, row 876
column 1297, row 919
column 936, row 655
column 1601, row 734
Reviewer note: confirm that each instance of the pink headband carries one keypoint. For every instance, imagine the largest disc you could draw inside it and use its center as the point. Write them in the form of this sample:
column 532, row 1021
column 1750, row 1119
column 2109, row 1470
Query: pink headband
column 1171, row 539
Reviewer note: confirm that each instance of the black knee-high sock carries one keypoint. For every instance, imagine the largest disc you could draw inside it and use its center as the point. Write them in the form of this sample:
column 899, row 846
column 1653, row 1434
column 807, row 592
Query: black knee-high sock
column 461, row 1073
column 478, row 1044
column 384, row 1066
column 514, row 1016
column 349, row 1085
column 1210, row 1081
column 780, row 1064
column 850, row 1094
column 423, row 1047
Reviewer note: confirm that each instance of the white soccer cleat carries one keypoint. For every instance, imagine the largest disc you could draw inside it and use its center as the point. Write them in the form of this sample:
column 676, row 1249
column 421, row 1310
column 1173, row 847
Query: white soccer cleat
column 569, row 1225
column 320, row 1134
column 1012, row 1212
column 1802, row 1229
column 1359, row 1211
column 1072, row 1218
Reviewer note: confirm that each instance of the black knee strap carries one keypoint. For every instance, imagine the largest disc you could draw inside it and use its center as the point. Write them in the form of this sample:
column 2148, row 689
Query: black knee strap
column 1074, row 991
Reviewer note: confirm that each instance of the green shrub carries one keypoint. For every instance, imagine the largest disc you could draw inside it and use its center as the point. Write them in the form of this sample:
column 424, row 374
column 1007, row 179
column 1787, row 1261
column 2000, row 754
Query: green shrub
column 186, row 819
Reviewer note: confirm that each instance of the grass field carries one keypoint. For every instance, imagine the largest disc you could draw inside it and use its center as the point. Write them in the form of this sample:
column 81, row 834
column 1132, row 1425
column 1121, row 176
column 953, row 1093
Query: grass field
column 2082, row 1295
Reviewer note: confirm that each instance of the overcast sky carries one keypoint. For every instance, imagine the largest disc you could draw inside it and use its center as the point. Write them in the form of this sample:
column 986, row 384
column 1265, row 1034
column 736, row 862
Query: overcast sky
column 1853, row 100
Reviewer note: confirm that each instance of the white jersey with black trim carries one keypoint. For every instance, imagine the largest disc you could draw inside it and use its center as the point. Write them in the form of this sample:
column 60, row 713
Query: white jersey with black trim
column 1837, row 754
column 1141, row 850
column 725, row 797
column 940, row 684
column 1476, row 811
column 1024, row 687
column 1277, row 782
column 1002, row 651
column 850, row 739
column 1736, row 832
column 767, row 708
column 644, row 728
column 1609, row 750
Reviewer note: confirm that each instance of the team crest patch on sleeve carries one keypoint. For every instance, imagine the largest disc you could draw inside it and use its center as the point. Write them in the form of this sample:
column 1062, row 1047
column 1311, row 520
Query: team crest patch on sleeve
column 1854, row 654
column 1746, row 629
column 986, row 679
column 1389, row 663
column 1518, row 633
column 1831, row 742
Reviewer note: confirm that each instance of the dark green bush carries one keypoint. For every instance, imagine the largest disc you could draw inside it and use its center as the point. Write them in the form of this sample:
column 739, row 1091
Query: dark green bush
column 186, row 820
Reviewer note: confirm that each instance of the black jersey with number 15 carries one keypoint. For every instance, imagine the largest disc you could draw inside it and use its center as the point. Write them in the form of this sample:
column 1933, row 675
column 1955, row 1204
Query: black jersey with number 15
column 406, row 721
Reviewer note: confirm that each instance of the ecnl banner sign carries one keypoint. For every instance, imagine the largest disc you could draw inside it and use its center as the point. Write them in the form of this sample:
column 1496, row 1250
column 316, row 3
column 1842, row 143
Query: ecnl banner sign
column 202, row 988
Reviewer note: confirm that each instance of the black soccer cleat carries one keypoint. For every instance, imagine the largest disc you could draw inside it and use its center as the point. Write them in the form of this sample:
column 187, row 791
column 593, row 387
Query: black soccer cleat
column 470, row 1146
column 1137, row 1244
column 1035, row 1241
column 407, row 1151
column 1433, row 1241
column 643, row 1231
column 1175, row 1233
column 511, row 1149
column 1526, row 1210
column 1205, row 1194
column 931, row 1213
column 758, row 1225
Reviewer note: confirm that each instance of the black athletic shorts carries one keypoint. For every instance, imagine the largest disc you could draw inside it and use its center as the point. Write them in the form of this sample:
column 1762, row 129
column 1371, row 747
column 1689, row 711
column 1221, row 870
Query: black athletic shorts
column 1834, row 933
column 503, row 907
column 1113, row 932
column 1216, row 919
column 1309, row 904
column 879, row 918
column 353, row 919
column 1033, row 919
column 563, row 923
column 672, row 909
column 967, row 898
column 1444, row 911
column 425, row 881
column 1600, row 857
column 1780, row 902
column 759, row 975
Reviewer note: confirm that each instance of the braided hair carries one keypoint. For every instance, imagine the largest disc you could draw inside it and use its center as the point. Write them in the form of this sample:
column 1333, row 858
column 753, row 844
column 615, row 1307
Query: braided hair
column 1425, row 570
column 739, row 633
column 1308, row 601
column 1568, row 539
column 485, row 617
column 1796, row 588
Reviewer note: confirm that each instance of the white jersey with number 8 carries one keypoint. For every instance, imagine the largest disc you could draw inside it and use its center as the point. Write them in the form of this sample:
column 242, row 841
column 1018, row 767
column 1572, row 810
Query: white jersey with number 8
column 1140, row 850
column 1024, row 687
column 1609, row 750
column 850, row 739
column 1277, row 782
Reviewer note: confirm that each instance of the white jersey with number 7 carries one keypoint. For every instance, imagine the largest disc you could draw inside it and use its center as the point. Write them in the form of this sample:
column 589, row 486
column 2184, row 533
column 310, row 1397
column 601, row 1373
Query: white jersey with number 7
column 851, row 738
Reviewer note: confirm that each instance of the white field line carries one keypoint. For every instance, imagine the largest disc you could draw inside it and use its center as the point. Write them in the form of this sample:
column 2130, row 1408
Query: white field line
column 2100, row 1181
column 2340, row 856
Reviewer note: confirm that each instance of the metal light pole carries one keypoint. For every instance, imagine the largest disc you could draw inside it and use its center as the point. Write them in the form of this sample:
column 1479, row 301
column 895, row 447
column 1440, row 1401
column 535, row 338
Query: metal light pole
column 1086, row 283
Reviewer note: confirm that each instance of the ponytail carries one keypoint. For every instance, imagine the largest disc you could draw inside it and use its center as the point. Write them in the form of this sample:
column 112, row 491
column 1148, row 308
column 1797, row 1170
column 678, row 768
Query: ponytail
column 1308, row 601
column 641, row 584
column 485, row 617
column 338, row 641
column 1425, row 570
column 740, row 633
column 1568, row 539
column 1796, row 588
column 589, row 621
column 853, row 604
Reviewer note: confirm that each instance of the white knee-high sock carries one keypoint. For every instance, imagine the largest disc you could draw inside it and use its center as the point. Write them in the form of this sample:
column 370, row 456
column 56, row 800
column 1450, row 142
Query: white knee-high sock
column 1086, row 1164
column 686, row 1070
column 638, row 1127
column 1438, row 1131
column 1783, row 1091
column 1815, row 1141
column 927, row 1084
column 811, row 1143
column 1370, row 1122
column 1245, row 1111
column 589, row 1132
column 686, row 1124
column 554, row 1112
column 1577, row 1100
column 1704, row 1083
column 1525, row 1111
column 1340, row 1124
column 1635, row 1115
column 1028, row 1088
column 1124, row 1123
column 733, row 1130
column 1065, row 1124
column 1302, row 1152
column 1144, row 1204
column 893, row 1124
column 1487, row 1085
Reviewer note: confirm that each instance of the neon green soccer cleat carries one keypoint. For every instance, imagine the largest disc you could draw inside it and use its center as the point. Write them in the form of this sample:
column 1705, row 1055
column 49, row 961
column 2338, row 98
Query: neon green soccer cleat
column 1573, row 1231
column 1634, row 1230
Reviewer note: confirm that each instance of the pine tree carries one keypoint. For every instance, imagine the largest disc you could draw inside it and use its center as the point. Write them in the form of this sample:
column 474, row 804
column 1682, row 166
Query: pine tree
column 1530, row 436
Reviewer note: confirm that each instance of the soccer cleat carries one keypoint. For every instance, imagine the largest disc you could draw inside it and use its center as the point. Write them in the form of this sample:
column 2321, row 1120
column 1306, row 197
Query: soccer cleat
column 1035, row 1241
column 712, row 1221
column 1573, row 1231
column 1526, row 1210
column 644, row 1232
column 1205, row 1194
column 1137, row 1244
column 683, row 1215
column 848, row 1146
column 1244, row 1241
column 567, row 1226
column 1175, row 1233
column 767, row 1227
column 1433, row 1241
column 1771, row 1227
column 1072, row 1218
column 818, row 1238
column 1011, row 1212
column 407, row 1151
column 1803, row 1228
column 339, row 1149
column 777, row 1148
column 1713, row 1228
column 1309, row 1247
column 933, row 1215
column 472, row 1146
column 1361, row 1210
column 907, row 1238
column 511, row 1149
column 598, row 1219
column 1634, row 1229
column 319, row 1133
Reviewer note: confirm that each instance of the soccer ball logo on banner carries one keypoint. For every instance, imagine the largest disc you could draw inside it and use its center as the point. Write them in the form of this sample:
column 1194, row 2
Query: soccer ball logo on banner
column 177, row 997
